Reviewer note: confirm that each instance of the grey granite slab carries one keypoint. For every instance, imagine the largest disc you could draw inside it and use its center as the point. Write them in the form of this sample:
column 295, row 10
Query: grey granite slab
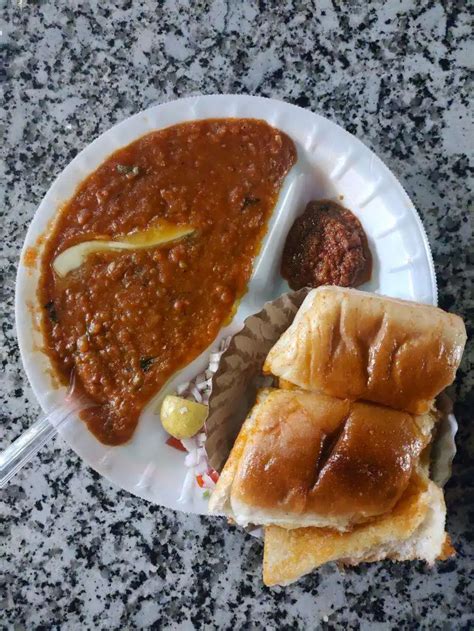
column 77, row 552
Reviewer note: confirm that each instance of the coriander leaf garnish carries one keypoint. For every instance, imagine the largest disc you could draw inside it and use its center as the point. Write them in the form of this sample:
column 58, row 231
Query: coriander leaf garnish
column 128, row 170
column 146, row 363
column 249, row 201
column 51, row 311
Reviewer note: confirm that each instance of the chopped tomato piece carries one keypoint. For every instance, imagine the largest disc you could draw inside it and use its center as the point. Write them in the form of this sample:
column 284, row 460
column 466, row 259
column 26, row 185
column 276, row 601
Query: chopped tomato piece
column 177, row 444
column 212, row 473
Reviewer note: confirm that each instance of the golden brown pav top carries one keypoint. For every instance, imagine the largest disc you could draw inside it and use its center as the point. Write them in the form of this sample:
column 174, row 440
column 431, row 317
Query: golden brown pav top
column 352, row 344
column 310, row 453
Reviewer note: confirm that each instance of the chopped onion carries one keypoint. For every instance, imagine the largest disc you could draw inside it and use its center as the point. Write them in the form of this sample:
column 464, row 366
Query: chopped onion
column 201, row 467
column 181, row 389
column 208, row 481
column 203, row 385
column 190, row 444
column 196, row 394
column 199, row 390
column 191, row 459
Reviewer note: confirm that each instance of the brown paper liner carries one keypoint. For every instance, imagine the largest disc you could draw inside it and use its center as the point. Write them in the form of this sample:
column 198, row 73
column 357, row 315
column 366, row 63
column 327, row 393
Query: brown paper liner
column 239, row 376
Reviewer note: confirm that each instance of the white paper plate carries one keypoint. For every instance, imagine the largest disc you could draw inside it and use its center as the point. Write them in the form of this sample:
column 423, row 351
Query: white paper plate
column 331, row 164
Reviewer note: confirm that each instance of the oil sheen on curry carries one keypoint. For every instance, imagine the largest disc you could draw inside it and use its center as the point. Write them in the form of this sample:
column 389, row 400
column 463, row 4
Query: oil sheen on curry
column 180, row 215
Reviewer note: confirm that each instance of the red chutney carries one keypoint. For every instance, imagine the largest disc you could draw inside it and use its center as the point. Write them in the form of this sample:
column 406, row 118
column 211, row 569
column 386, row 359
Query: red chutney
column 126, row 321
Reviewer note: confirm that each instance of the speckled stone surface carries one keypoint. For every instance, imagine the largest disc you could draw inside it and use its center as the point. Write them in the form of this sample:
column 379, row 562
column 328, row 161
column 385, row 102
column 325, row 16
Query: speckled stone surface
column 77, row 553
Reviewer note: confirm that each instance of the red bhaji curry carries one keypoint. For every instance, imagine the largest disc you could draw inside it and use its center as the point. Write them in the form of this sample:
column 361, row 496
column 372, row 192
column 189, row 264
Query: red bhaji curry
column 126, row 321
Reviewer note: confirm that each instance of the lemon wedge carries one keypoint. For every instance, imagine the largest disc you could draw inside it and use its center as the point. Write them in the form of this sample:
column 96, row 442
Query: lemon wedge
column 74, row 257
column 182, row 418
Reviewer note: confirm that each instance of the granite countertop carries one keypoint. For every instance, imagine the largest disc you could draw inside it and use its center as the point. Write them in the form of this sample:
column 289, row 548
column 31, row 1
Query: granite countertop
column 76, row 552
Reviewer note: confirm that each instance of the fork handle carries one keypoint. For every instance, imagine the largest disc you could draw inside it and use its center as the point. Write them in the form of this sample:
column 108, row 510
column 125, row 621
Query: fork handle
column 27, row 445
